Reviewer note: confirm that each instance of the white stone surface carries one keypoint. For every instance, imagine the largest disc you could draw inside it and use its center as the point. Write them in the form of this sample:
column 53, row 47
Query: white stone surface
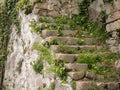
column 22, row 49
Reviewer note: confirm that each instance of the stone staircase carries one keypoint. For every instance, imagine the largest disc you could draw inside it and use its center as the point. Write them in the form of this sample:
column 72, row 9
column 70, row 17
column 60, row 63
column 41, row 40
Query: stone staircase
column 79, row 72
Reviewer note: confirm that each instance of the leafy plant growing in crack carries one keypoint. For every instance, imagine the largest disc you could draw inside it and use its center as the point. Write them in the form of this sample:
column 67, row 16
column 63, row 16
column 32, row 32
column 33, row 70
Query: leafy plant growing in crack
column 34, row 26
column 19, row 65
column 38, row 66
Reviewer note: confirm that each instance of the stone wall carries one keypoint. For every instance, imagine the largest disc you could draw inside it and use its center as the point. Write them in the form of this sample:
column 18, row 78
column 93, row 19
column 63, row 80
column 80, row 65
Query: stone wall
column 112, row 22
column 55, row 8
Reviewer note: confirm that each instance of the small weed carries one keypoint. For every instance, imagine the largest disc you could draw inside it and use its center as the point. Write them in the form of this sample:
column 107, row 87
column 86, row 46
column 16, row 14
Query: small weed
column 28, row 9
column 44, row 20
column 89, row 59
column 73, row 85
column 60, row 33
column 108, row 1
column 45, row 54
column 80, row 42
column 60, row 20
column 53, row 42
column 38, row 66
column 19, row 65
column 59, row 70
column 52, row 86
column 34, row 26
column 39, row 88
column 13, row 85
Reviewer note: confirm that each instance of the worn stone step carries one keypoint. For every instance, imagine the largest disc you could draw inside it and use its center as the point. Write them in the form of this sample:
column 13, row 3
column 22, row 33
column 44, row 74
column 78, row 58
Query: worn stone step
column 108, row 85
column 47, row 33
column 53, row 26
column 76, row 75
column 67, row 57
column 71, row 40
column 76, row 66
column 85, row 85
column 92, row 85
column 63, row 40
column 57, row 48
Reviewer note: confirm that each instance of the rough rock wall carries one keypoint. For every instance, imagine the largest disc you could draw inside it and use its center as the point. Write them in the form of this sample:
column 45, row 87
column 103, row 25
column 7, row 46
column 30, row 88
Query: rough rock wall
column 19, row 74
column 55, row 8
column 20, row 46
column 112, row 22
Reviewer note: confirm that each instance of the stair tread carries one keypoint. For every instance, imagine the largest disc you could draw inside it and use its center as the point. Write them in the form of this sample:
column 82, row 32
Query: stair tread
column 76, row 66
column 67, row 57
column 70, row 40
column 76, row 75
column 57, row 48
column 47, row 33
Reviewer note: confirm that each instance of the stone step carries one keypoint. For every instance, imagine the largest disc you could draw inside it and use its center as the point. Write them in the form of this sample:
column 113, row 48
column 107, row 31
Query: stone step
column 76, row 75
column 85, row 85
column 71, row 40
column 92, row 85
column 57, row 48
column 63, row 40
column 54, row 26
column 67, row 57
column 47, row 33
column 76, row 66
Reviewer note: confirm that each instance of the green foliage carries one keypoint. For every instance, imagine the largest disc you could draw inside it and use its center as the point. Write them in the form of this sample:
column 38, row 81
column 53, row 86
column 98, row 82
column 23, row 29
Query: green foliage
column 59, row 69
column 94, row 59
column 61, row 20
column 108, row 1
column 39, row 88
column 19, row 65
column 39, row 0
column 53, row 42
column 44, row 53
column 118, row 32
column 44, row 20
column 73, row 85
column 89, row 59
column 52, row 86
column 34, row 26
column 25, row 5
column 38, row 66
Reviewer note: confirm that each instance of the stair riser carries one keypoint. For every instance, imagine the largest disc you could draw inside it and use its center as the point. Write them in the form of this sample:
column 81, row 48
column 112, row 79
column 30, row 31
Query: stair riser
column 57, row 48
column 71, row 40
column 47, row 33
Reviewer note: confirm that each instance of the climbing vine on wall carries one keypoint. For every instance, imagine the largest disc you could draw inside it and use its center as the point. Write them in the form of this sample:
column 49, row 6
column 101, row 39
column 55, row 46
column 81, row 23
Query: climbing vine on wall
column 8, row 17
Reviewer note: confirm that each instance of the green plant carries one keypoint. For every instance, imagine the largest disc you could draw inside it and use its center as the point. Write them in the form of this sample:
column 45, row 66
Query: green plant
column 44, row 53
column 39, row 88
column 19, row 65
column 61, row 20
column 52, row 86
column 38, row 66
column 80, row 42
column 25, row 5
column 59, row 69
column 108, row 1
column 73, row 85
column 34, row 26
column 53, row 42
column 90, row 59
column 39, row 0
column 44, row 20
column 60, row 33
